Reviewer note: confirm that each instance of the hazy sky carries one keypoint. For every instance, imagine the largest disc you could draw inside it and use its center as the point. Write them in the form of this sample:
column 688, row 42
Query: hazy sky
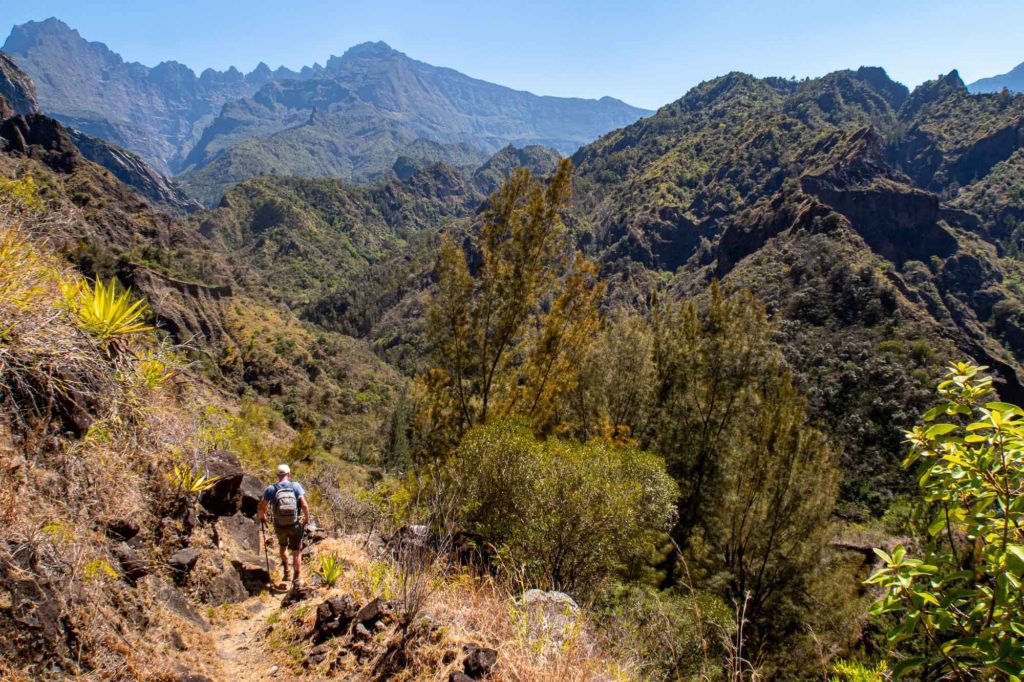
column 644, row 52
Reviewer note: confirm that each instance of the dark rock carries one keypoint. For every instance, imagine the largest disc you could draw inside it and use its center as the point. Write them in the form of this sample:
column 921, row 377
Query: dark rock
column 177, row 642
column 252, row 492
column 458, row 676
column 121, row 529
column 413, row 546
column 374, row 611
column 297, row 594
column 317, row 655
column 225, row 497
column 361, row 632
column 244, row 531
column 253, row 573
column 333, row 617
column 183, row 561
column 166, row 594
column 132, row 565
column 479, row 661
column 448, row 657
column 225, row 587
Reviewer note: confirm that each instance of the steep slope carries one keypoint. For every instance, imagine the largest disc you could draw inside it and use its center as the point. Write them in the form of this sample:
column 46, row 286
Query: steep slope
column 1012, row 80
column 17, row 88
column 231, row 323
column 826, row 198
column 158, row 112
column 19, row 91
column 308, row 237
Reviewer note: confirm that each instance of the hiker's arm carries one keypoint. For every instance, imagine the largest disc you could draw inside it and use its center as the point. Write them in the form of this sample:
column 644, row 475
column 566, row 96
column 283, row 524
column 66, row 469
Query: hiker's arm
column 261, row 511
column 305, row 510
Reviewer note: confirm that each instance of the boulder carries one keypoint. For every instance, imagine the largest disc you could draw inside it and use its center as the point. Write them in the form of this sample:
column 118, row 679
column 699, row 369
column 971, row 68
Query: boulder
column 175, row 601
column 225, row 586
column 252, row 571
column 183, row 561
column 252, row 492
column 243, row 531
column 296, row 594
column 550, row 616
column 413, row 546
column 225, row 497
column 479, row 661
column 132, row 565
column 333, row 617
column 374, row 611
column 121, row 529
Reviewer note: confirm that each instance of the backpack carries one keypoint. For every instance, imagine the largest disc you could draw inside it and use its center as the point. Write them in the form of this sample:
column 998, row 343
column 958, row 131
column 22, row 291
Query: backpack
column 286, row 505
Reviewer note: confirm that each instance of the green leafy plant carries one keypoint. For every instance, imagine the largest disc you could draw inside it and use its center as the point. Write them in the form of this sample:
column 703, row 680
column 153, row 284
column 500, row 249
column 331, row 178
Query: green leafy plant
column 859, row 672
column 105, row 310
column 963, row 600
column 153, row 371
column 330, row 570
column 189, row 482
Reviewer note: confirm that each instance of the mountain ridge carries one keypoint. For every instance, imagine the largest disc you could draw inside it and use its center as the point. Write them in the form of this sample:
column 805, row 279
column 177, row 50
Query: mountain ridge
column 371, row 103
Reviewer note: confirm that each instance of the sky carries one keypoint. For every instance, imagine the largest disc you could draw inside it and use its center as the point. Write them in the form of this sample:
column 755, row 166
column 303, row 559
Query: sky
column 646, row 52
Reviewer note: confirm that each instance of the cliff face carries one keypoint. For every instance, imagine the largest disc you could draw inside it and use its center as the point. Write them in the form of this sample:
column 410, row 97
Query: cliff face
column 16, row 88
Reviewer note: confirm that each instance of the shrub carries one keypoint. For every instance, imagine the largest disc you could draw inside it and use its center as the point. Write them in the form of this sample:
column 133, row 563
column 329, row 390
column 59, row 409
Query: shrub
column 330, row 570
column 567, row 513
column 105, row 310
column 961, row 602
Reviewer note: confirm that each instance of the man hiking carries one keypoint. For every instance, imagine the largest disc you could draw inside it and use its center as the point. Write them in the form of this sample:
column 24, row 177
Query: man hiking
column 286, row 498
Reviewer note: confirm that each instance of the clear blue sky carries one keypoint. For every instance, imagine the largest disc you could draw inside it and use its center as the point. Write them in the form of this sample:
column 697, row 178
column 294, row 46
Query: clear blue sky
column 645, row 52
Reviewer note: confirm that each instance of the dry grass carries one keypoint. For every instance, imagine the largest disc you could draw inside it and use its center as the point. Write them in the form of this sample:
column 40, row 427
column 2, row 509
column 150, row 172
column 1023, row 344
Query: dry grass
column 468, row 610
column 84, row 440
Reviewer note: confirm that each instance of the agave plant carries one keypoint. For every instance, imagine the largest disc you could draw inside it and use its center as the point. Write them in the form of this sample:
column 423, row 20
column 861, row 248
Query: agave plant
column 189, row 482
column 330, row 569
column 107, row 311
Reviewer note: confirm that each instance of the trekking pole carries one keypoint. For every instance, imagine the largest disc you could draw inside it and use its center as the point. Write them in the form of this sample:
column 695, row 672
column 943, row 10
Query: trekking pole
column 266, row 552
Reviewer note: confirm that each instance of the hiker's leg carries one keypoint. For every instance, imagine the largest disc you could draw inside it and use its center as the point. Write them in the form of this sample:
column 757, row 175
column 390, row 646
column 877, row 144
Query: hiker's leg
column 297, row 564
column 284, row 559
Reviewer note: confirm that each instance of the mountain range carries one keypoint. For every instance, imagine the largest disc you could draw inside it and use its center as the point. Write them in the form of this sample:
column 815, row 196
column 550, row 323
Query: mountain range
column 350, row 118
column 1012, row 80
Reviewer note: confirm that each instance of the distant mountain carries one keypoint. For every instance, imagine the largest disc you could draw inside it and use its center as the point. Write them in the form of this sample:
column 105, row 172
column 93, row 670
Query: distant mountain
column 17, row 98
column 351, row 118
column 158, row 112
column 1013, row 81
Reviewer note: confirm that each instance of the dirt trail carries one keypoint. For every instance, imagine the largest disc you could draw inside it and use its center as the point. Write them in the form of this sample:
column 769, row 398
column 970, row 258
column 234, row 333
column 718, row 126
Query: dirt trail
column 241, row 654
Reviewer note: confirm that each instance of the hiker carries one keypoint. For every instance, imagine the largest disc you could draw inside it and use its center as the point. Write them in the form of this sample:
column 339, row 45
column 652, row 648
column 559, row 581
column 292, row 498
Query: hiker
column 285, row 498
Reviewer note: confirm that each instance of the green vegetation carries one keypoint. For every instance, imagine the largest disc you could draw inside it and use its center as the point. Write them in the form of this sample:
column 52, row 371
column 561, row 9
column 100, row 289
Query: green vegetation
column 566, row 514
column 106, row 311
column 957, row 611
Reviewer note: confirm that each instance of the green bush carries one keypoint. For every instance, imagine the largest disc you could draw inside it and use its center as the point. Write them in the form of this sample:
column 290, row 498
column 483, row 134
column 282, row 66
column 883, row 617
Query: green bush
column 959, row 605
column 566, row 513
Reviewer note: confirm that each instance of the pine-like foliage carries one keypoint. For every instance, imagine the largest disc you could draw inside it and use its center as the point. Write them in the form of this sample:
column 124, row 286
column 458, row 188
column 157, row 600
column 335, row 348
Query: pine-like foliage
column 512, row 317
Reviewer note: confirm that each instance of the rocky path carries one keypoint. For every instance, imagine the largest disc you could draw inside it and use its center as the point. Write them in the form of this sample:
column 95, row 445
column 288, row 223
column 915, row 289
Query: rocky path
column 241, row 655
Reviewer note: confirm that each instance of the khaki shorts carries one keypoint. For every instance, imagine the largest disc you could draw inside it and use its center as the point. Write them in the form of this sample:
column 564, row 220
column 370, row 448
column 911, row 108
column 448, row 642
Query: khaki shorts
column 289, row 536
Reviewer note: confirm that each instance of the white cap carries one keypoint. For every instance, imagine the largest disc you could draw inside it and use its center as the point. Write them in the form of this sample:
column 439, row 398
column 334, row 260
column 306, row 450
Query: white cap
column 283, row 470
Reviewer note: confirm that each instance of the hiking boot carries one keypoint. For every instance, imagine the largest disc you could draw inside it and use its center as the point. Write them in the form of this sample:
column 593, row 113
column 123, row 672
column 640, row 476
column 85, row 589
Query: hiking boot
column 284, row 575
column 297, row 584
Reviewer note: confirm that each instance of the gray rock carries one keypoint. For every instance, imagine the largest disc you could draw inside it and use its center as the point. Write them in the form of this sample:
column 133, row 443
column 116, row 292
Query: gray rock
column 132, row 565
column 183, row 561
column 242, row 530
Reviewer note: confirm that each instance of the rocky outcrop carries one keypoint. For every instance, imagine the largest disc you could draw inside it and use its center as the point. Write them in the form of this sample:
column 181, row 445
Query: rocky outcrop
column 17, row 88
column 133, row 171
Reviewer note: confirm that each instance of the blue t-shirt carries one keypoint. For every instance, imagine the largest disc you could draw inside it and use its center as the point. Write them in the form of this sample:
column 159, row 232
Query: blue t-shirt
column 271, row 490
